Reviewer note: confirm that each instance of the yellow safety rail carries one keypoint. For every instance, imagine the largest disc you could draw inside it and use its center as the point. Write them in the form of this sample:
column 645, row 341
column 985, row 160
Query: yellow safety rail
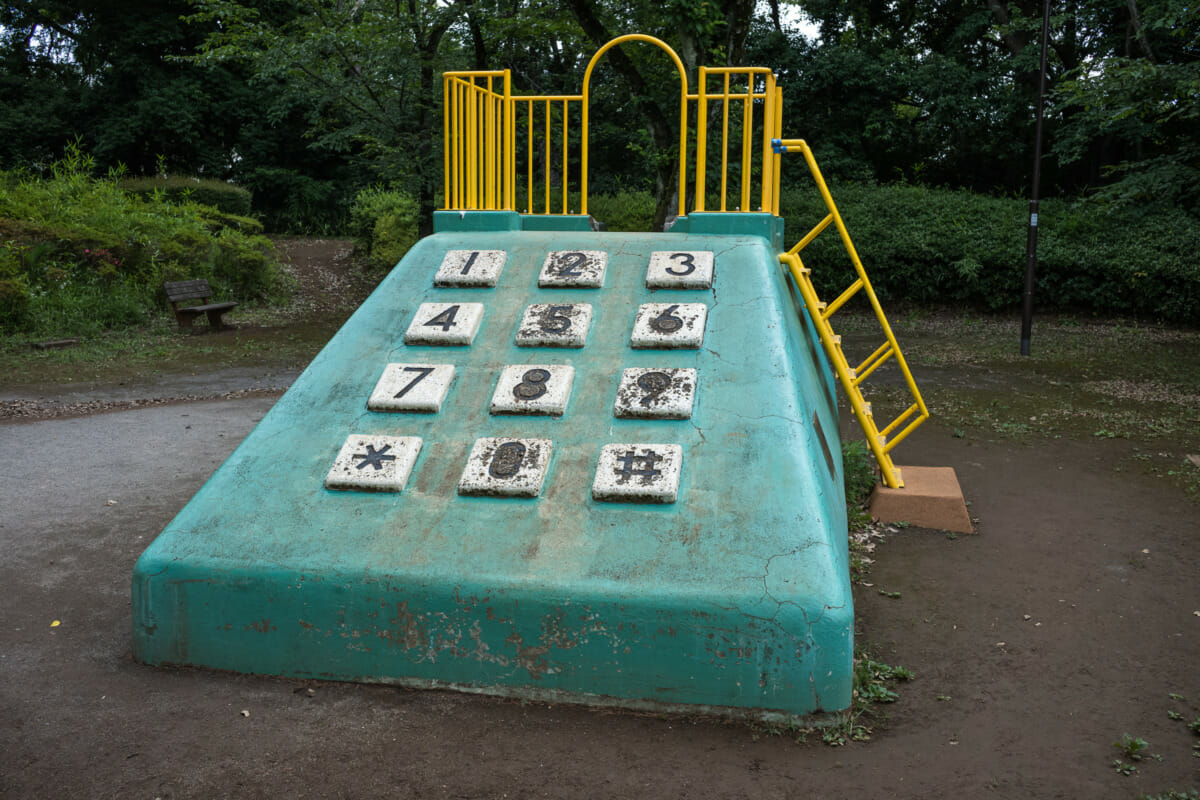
column 852, row 378
column 481, row 139
column 484, row 125
column 750, row 97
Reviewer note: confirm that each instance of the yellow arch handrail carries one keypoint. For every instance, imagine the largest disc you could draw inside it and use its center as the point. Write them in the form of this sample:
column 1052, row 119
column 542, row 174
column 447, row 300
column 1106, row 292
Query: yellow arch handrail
column 683, row 100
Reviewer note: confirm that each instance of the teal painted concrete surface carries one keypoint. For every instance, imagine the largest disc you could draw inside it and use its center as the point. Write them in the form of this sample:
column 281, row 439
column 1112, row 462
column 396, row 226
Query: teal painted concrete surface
column 734, row 599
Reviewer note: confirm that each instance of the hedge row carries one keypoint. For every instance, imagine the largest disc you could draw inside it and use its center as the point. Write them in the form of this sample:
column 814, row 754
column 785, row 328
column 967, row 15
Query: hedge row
column 937, row 246
column 225, row 197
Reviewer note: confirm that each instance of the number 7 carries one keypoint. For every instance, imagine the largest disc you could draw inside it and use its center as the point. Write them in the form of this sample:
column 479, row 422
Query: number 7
column 424, row 373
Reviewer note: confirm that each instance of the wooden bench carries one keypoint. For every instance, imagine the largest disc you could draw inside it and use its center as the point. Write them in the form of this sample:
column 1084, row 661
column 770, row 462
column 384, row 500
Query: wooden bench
column 181, row 291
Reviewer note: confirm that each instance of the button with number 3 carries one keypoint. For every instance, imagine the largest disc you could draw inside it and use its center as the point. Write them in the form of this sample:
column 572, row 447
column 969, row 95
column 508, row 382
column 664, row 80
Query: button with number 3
column 684, row 269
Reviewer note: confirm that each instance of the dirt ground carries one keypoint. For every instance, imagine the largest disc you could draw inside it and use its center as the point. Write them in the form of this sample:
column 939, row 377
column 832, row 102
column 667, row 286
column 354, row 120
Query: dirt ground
column 1071, row 617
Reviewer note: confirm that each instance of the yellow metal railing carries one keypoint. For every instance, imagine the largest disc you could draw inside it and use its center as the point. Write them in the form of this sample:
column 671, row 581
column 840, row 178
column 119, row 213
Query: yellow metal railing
column 477, row 140
column 485, row 126
column 750, row 98
column 852, row 378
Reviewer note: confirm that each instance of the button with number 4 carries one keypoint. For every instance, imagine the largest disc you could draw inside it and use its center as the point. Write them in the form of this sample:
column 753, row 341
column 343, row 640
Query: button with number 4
column 445, row 324
column 533, row 389
column 686, row 269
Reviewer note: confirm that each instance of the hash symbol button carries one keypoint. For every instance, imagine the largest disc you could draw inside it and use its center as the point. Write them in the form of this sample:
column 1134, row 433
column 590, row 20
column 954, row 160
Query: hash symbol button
column 638, row 473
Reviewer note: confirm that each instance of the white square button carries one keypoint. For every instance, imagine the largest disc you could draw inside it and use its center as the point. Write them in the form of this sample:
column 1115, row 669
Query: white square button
column 638, row 473
column 412, row 387
column 445, row 324
column 533, row 389
column 373, row 463
column 581, row 269
column 656, row 393
column 669, row 326
column 506, row 467
column 686, row 269
column 470, row 268
column 549, row 325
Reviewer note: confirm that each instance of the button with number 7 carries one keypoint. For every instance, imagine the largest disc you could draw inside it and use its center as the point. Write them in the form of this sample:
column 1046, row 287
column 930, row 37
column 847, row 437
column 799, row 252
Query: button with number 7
column 418, row 388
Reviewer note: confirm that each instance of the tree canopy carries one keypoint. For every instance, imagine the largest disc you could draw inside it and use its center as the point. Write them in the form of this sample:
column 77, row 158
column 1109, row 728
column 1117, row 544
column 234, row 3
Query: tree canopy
column 302, row 100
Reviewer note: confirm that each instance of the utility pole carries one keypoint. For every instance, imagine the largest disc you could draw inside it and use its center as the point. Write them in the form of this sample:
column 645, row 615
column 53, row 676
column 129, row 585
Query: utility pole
column 1032, row 237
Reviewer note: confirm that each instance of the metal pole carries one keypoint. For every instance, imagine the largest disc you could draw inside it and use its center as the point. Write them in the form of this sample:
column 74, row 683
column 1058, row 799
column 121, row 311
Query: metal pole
column 1031, row 239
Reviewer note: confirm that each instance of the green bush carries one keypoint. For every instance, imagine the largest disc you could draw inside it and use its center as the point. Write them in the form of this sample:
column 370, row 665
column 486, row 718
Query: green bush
column 940, row 246
column 384, row 221
column 80, row 254
column 224, row 197
column 623, row 211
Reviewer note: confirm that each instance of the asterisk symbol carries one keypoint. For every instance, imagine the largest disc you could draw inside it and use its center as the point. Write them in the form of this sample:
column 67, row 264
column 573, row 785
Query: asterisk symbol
column 375, row 459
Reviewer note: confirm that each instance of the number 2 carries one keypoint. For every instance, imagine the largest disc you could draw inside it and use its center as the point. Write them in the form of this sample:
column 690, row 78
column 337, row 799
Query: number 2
column 569, row 265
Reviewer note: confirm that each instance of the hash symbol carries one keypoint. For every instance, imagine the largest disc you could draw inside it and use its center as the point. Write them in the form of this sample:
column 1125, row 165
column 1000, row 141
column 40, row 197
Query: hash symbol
column 648, row 471
column 375, row 459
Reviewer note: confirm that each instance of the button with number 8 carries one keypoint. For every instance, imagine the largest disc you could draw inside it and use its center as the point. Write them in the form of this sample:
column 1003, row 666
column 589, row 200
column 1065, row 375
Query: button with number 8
column 533, row 389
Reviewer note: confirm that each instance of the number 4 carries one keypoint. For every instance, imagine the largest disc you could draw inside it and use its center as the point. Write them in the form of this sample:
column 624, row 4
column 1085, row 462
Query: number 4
column 444, row 320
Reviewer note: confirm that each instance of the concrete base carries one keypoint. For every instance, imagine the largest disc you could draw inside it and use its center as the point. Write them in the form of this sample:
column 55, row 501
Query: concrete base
column 931, row 498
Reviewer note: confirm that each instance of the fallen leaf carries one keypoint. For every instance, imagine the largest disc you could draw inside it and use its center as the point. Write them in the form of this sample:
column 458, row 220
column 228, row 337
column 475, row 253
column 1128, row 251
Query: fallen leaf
column 1194, row 459
column 56, row 623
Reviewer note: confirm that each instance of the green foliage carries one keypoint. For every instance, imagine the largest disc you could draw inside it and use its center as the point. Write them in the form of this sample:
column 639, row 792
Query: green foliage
column 1131, row 746
column 858, row 465
column 385, row 221
column 81, row 255
column 223, row 196
column 624, row 210
column 940, row 246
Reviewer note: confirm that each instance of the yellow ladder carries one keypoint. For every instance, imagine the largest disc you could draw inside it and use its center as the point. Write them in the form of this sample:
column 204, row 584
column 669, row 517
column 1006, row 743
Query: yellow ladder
column 852, row 378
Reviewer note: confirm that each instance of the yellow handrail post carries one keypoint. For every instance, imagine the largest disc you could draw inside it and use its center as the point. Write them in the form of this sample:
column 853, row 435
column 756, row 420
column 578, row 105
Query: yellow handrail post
column 701, row 139
column 747, row 129
column 724, row 142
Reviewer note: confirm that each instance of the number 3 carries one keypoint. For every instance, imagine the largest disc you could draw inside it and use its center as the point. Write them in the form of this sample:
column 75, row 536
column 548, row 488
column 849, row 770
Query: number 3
column 686, row 260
